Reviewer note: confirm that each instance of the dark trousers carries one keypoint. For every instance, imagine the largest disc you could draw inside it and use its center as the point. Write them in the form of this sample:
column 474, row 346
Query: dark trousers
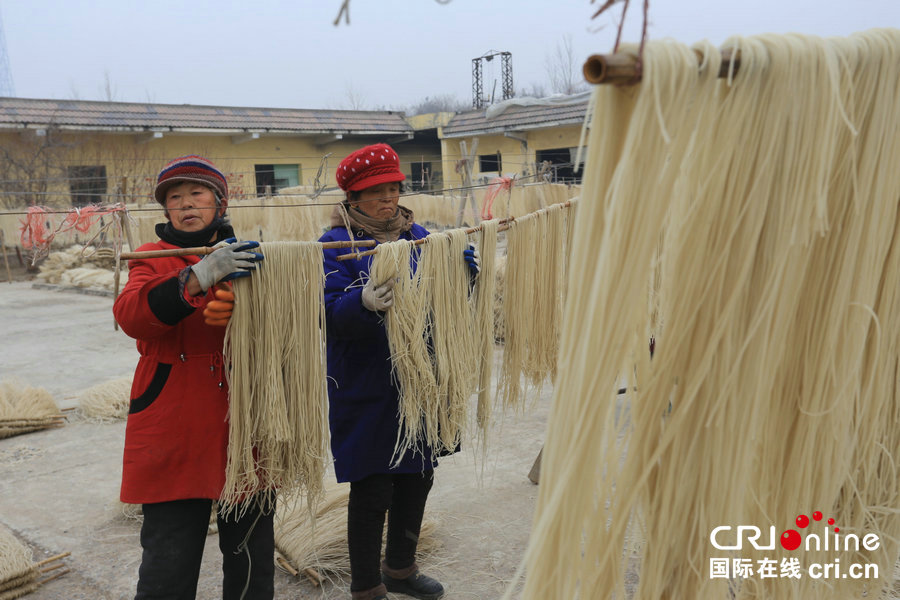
column 173, row 536
column 402, row 496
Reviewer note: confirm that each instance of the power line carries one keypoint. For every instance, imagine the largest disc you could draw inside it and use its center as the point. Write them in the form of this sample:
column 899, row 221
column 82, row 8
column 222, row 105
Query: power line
column 7, row 89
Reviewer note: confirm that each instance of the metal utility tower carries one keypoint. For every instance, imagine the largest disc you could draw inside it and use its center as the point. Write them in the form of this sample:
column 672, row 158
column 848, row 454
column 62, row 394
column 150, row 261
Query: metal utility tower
column 477, row 80
column 6, row 81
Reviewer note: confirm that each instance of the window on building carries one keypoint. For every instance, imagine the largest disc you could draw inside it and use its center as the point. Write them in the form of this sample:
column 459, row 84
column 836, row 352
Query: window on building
column 87, row 185
column 421, row 176
column 276, row 176
column 557, row 165
column 489, row 163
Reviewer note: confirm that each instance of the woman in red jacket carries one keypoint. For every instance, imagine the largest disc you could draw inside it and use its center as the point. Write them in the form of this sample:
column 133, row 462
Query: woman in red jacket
column 177, row 432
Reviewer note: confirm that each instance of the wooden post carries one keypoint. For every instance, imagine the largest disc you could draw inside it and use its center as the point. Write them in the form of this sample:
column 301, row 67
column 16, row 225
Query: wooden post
column 468, row 193
column 535, row 474
column 5, row 258
column 127, row 227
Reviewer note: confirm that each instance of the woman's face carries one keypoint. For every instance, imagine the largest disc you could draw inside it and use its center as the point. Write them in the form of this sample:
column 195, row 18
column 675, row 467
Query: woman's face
column 380, row 201
column 191, row 206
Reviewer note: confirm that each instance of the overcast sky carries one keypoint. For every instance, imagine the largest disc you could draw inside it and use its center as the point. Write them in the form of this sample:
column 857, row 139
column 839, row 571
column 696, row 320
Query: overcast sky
column 393, row 54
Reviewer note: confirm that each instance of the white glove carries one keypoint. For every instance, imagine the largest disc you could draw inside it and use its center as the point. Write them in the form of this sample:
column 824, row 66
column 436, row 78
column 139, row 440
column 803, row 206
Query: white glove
column 378, row 298
column 228, row 261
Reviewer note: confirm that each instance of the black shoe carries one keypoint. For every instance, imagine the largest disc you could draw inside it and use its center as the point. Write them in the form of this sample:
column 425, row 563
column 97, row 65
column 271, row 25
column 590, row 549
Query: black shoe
column 416, row 585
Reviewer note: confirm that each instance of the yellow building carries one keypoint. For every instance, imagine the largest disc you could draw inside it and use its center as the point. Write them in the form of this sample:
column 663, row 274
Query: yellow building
column 75, row 152
column 532, row 139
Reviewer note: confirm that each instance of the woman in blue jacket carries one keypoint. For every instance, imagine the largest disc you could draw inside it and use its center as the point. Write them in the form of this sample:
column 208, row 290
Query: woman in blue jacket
column 364, row 404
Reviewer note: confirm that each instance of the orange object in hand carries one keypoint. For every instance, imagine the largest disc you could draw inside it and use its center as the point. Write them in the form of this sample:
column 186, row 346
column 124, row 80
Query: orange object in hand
column 218, row 311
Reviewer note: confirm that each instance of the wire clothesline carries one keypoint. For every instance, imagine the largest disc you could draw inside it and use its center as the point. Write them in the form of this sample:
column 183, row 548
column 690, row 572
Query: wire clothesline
column 239, row 206
column 147, row 178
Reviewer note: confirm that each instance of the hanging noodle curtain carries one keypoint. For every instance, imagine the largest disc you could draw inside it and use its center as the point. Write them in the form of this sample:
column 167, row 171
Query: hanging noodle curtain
column 758, row 214
column 278, row 399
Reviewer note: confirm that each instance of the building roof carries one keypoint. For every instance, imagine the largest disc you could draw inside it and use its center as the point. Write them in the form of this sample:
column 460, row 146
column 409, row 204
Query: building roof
column 515, row 117
column 21, row 113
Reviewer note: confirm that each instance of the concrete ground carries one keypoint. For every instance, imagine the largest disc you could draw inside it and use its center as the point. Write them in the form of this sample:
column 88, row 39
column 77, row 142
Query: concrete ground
column 59, row 487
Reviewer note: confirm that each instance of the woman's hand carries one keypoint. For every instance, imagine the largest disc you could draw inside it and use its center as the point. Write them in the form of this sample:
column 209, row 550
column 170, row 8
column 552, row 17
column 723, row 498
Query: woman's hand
column 228, row 261
column 378, row 298
column 218, row 312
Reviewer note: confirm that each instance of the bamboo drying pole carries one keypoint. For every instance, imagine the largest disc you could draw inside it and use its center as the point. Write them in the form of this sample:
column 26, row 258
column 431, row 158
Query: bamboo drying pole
column 620, row 68
column 204, row 250
column 504, row 225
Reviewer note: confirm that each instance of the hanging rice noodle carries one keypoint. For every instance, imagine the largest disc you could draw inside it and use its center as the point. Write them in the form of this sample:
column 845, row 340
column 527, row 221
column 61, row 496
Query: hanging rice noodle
column 534, row 288
column 485, row 289
column 407, row 325
column 452, row 329
column 759, row 214
column 275, row 346
column 144, row 228
column 440, row 331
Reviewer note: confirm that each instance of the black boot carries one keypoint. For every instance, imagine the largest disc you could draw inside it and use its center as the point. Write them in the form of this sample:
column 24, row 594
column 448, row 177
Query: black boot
column 412, row 583
column 376, row 593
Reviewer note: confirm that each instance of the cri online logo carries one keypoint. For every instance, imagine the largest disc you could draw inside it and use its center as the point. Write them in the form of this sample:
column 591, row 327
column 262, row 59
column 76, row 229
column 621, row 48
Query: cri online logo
column 791, row 539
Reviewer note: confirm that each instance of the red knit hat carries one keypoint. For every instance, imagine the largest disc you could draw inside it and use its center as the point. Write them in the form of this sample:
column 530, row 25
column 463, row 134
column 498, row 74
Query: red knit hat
column 369, row 166
column 191, row 168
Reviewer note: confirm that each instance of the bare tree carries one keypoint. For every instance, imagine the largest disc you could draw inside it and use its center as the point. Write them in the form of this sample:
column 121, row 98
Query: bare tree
column 439, row 103
column 562, row 69
column 28, row 166
column 354, row 99
column 109, row 91
column 536, row 90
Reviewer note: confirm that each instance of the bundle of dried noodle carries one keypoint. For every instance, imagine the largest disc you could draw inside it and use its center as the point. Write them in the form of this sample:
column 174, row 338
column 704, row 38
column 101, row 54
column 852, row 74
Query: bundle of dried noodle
column 107, row 400
column 317, row 539
column 275, row 346
column 19, row 575
column 24, row 408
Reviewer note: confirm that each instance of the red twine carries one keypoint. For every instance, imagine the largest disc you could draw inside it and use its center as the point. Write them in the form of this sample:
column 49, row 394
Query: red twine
column 35, row 229
column 497, row 185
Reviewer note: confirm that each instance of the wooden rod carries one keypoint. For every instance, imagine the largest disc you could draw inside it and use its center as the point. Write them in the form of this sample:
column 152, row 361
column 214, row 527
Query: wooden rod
column 30, row 422
column 52, row 567
column 504, row 225
column 204, row 250
column 287, row 566
column 313, row 576
column 51, row 559
column 621, row 68
column 52, row 577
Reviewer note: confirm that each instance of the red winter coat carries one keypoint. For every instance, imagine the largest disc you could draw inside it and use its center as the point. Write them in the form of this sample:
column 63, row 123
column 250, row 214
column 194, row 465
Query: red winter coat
column 177, row 435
